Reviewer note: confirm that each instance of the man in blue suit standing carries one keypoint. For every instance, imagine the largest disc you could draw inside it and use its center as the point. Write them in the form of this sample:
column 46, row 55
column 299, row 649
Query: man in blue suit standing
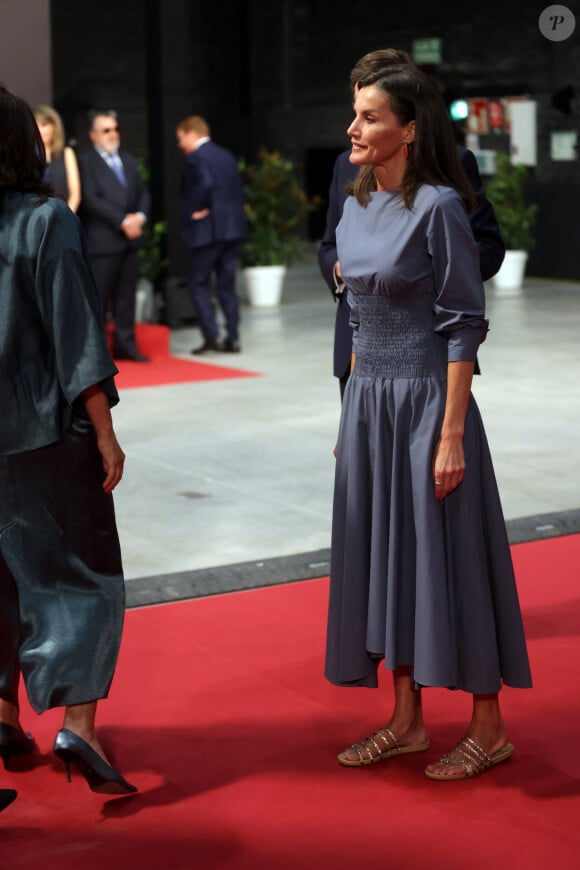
column 482, row 219
column 213, row 226
column 113, row 211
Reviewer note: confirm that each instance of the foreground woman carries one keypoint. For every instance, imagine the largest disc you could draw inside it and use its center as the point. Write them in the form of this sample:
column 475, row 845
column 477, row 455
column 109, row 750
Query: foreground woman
column 421, row 574
column 61, row 581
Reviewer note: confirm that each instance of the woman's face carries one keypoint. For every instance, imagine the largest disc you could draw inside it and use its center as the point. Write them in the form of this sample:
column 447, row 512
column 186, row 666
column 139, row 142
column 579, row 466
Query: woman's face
column 46, row 132
column 376, row 133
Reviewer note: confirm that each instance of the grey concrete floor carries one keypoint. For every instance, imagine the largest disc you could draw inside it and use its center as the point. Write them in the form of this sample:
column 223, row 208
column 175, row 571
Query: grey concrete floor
column 241, row 470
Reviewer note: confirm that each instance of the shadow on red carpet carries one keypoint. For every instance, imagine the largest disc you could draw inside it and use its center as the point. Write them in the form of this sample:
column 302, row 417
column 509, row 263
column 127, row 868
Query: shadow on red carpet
column 220, row 714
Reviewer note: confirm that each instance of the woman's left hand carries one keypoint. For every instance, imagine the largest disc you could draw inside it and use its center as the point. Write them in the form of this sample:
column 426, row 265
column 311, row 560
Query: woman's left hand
column 113, row 460
column 448, row 466
column 97, row 405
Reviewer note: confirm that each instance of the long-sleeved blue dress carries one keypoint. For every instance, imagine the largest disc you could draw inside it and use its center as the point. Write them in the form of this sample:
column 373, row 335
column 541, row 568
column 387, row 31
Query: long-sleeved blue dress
column 415, row 581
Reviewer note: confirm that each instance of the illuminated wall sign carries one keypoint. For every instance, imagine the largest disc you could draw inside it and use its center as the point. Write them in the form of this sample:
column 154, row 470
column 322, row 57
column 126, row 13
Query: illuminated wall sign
column 426, row 51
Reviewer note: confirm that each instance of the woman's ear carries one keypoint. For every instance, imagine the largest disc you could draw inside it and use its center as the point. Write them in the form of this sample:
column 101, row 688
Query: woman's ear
column 411, row 131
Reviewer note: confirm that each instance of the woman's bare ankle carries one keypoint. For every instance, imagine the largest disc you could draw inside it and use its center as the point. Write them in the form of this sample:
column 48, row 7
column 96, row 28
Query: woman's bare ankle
column 9, row 714
column 409, row 730
column 487, row 727
column 88, row 735
column 489, row 738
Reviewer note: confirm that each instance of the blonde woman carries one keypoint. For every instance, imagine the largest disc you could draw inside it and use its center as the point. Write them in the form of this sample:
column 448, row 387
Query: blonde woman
column 62, row 171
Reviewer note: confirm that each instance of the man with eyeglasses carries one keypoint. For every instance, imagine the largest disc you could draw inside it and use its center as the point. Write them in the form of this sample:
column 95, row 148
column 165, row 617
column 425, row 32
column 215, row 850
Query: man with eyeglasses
column 113, row 212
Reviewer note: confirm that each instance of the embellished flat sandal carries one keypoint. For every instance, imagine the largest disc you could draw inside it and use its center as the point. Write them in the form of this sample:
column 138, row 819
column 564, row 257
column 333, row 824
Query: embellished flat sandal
column 379, row 746
column 472, row 759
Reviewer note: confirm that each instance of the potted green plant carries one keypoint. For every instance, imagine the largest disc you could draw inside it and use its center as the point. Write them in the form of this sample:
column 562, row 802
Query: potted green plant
column 516, row 220
column 152, row 262
column 152, row 266
column 275, row 206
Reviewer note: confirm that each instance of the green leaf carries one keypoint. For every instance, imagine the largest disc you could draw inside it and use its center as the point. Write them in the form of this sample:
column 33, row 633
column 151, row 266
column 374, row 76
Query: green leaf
column 275, row 204
column 505, row 191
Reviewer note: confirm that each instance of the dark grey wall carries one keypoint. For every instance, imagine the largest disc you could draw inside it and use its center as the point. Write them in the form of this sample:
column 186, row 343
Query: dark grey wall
column 488, row 49
column 100, row 62
column 201, row 70
column 276, row 73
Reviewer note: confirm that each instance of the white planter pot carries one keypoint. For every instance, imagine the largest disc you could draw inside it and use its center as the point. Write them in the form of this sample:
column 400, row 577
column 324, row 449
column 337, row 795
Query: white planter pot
column 264, row 285
column 144, row 302
column 512, row 270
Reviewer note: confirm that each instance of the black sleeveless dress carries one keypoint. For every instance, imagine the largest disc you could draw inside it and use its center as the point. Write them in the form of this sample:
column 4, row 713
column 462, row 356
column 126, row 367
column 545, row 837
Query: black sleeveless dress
column 56, row 177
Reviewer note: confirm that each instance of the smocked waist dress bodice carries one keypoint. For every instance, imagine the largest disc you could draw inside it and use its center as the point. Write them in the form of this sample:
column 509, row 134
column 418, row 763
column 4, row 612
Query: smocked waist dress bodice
column 398, row 341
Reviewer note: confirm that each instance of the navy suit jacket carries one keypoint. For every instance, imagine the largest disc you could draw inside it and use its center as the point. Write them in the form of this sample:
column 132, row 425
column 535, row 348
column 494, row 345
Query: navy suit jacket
column 105, row 202
column 212, row 180
column 483, row 224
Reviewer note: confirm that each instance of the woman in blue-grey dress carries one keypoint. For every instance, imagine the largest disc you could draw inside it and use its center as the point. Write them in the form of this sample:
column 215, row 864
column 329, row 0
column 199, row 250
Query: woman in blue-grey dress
column 61, row 581
column 421, row 574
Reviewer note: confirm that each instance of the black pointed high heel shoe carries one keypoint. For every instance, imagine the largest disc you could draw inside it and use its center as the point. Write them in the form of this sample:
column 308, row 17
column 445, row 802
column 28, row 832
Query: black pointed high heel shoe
column 100, row 776
column 7, row 796
column 13, row 741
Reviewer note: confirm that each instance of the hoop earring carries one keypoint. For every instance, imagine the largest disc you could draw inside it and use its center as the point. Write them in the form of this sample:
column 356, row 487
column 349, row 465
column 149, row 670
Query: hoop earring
column 406, row 150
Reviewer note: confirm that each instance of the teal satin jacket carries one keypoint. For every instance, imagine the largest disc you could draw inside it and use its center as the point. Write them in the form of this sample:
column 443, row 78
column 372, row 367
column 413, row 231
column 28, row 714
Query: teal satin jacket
column 52, row 339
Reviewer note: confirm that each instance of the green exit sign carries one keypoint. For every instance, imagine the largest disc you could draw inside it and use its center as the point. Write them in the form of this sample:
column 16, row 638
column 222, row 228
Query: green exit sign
column 427, row 50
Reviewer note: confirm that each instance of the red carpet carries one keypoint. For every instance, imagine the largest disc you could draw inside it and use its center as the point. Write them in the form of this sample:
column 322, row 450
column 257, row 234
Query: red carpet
column 153, row 341
column 219, row 712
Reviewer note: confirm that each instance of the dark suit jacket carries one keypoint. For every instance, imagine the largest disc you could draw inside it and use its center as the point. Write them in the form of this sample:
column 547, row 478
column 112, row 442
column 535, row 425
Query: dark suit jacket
column 483, row 224
column 105, row 202
column 211, row 179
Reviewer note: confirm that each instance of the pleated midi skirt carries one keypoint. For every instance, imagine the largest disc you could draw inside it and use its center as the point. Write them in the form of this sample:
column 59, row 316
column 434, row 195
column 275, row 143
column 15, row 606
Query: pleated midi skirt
column 414, row 581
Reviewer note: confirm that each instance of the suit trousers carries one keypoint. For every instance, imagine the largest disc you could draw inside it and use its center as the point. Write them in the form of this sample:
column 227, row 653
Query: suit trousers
column 222, row 258
column 116, row 276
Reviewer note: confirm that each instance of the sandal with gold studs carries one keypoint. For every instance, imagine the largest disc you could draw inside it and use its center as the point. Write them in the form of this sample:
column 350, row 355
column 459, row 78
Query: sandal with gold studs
column 472, row 759
column 379, row 746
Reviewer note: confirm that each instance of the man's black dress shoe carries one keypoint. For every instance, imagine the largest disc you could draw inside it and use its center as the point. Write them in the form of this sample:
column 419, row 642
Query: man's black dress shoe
column 13, row 741
column 134, row 356
column 231, row 346
column 208, row 345
column 100, row 776
column 7, row 796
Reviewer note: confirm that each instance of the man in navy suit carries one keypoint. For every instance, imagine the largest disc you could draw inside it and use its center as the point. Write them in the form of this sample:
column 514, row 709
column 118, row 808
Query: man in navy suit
column 482, row 219
column 113, row 210
column 213, row 226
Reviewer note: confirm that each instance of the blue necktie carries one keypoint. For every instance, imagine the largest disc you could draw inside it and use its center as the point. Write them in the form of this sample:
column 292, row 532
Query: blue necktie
column 114, row 162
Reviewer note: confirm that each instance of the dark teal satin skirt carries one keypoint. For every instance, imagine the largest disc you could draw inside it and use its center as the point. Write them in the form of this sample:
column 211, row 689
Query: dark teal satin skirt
column 62, row 593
